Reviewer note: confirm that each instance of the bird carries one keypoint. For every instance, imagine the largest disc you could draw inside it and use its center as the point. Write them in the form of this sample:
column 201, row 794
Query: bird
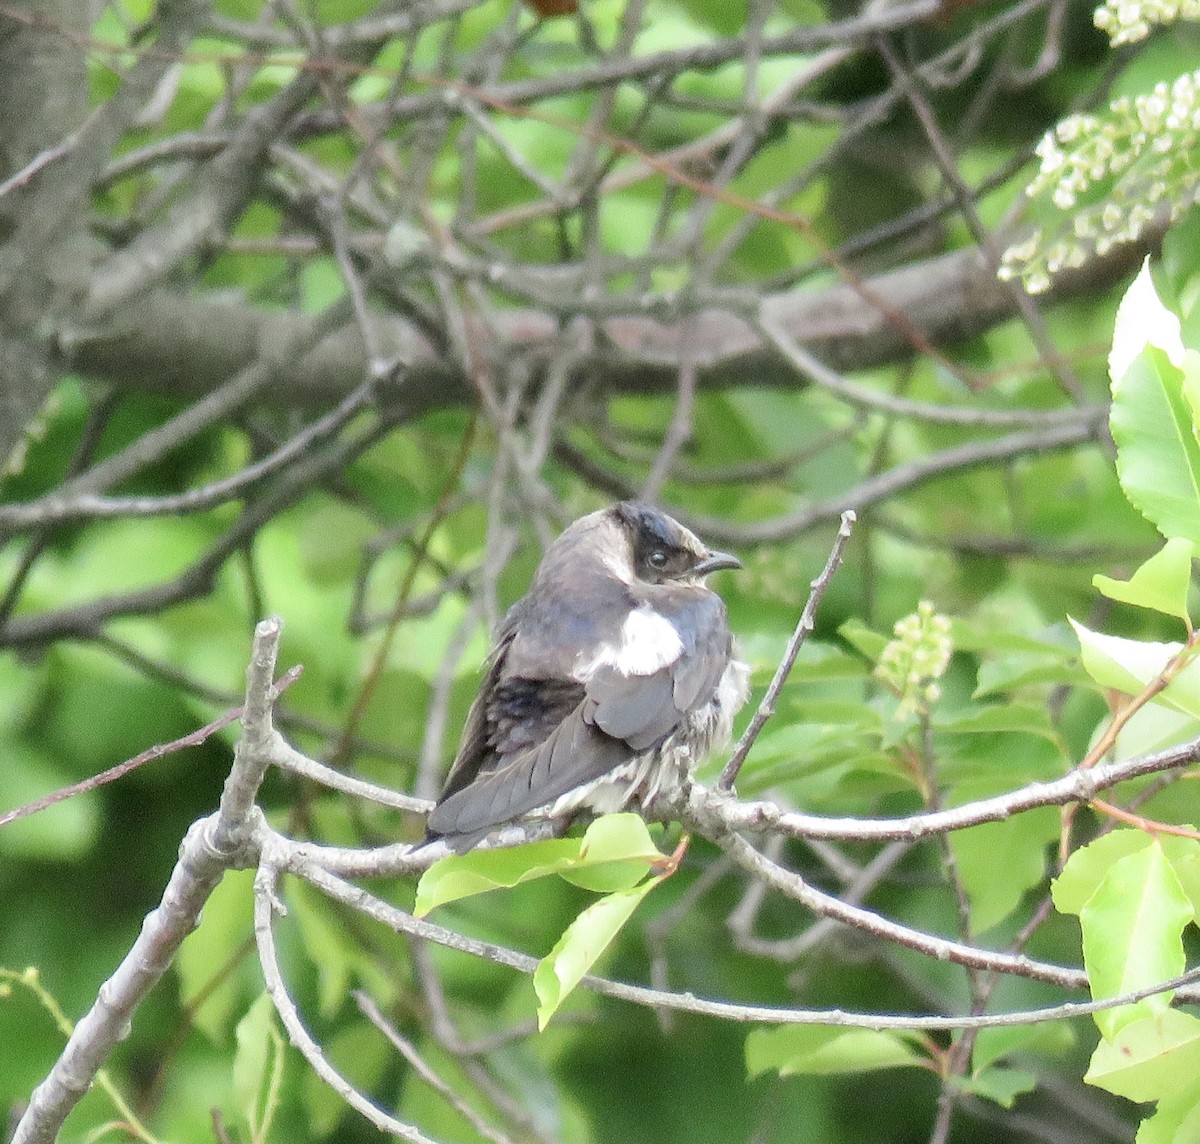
column 607, row 683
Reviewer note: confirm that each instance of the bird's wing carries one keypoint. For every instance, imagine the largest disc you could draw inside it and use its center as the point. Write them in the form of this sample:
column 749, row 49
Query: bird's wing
column 618, row 715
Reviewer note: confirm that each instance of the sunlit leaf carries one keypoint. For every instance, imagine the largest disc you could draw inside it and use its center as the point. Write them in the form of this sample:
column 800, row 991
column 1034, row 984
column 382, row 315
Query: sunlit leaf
column 1176, row 1117
column 1129, row 665
column 1088, row 866
column 615, row 853
column 1160, row 584
column 1132, row 933
column 1142, row 320
column 1158, row 457
column 1149, row 1057
column 583, row 941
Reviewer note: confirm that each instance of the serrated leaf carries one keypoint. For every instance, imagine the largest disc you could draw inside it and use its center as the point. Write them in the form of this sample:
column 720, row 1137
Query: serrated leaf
column 823, row 1050
column 1133, row 934
column 583, row 941
column 1160, row 584
column 1128, row 665
column 1158, row 458
column 615, row 853
column 1142, row 320
column 1149, row 1058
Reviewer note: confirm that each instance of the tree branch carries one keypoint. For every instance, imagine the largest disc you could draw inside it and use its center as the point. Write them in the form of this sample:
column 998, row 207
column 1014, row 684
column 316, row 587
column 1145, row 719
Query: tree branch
column 212, row 846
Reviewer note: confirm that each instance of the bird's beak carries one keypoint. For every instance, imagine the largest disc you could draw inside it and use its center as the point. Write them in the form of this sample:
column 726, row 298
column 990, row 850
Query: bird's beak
column 714, row 562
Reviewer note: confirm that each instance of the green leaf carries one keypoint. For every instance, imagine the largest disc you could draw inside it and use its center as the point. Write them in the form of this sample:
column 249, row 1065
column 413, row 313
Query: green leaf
column 1128, row 665
column 1191, row 387
column 1022, row 839
column 615, row 853
column 1184, row 856
column 1160, row 584
column 1176, row 1119
column 1149, row 1057
column 256, row 1067
column 1142, row 320
column 998, row 1042
column 1133, row 933
column 1158, row 458
column 62, row 832
column 1015, row 671
column 1002, row 1086
column 330, row 947
column 584, row 940
column 1088, row 866
column 461, row 875
column 822, row 1050
column 991, row 718
column 863, row 639
column 1154, row 727
column 362, row 1056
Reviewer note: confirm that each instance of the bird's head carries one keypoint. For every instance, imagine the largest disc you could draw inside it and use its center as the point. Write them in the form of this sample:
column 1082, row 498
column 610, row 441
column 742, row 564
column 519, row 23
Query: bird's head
column 661, row 550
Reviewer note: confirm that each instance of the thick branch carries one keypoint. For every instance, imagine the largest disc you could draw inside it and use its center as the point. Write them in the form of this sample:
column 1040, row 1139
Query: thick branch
column 212, row 846
column 186, row 347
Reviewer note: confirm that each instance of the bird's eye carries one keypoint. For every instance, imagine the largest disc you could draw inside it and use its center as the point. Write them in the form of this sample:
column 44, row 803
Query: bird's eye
column 657, row 560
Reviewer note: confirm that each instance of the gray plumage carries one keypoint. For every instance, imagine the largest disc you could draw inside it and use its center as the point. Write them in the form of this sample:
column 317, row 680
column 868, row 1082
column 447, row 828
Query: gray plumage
column 608, row 678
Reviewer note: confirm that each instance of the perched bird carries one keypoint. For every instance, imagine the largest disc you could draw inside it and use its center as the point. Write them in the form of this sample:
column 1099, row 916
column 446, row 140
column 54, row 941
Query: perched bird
column 607, row 681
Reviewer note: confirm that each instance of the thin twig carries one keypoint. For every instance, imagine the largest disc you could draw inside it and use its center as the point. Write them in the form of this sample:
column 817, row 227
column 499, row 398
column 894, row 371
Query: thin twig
column 421, row 1066
column 803, row 630
column 291, row 857
column 266, row 904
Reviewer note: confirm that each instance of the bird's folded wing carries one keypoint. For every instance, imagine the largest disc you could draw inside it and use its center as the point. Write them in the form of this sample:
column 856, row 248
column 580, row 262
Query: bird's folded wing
column 574, row 754
column 622, row 715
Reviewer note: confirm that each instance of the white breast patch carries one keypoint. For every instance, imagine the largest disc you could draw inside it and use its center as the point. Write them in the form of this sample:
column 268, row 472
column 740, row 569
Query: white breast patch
column 648, row 643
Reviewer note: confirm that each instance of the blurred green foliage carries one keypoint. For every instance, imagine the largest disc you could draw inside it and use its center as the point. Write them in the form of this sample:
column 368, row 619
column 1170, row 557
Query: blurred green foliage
column 1015, row 706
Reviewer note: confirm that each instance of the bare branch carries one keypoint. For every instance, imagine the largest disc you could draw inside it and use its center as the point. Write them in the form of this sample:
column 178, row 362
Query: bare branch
column 1079, row 785
column 291, row 858
column 212, row 846
column 804, row 628
column 265, row 905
